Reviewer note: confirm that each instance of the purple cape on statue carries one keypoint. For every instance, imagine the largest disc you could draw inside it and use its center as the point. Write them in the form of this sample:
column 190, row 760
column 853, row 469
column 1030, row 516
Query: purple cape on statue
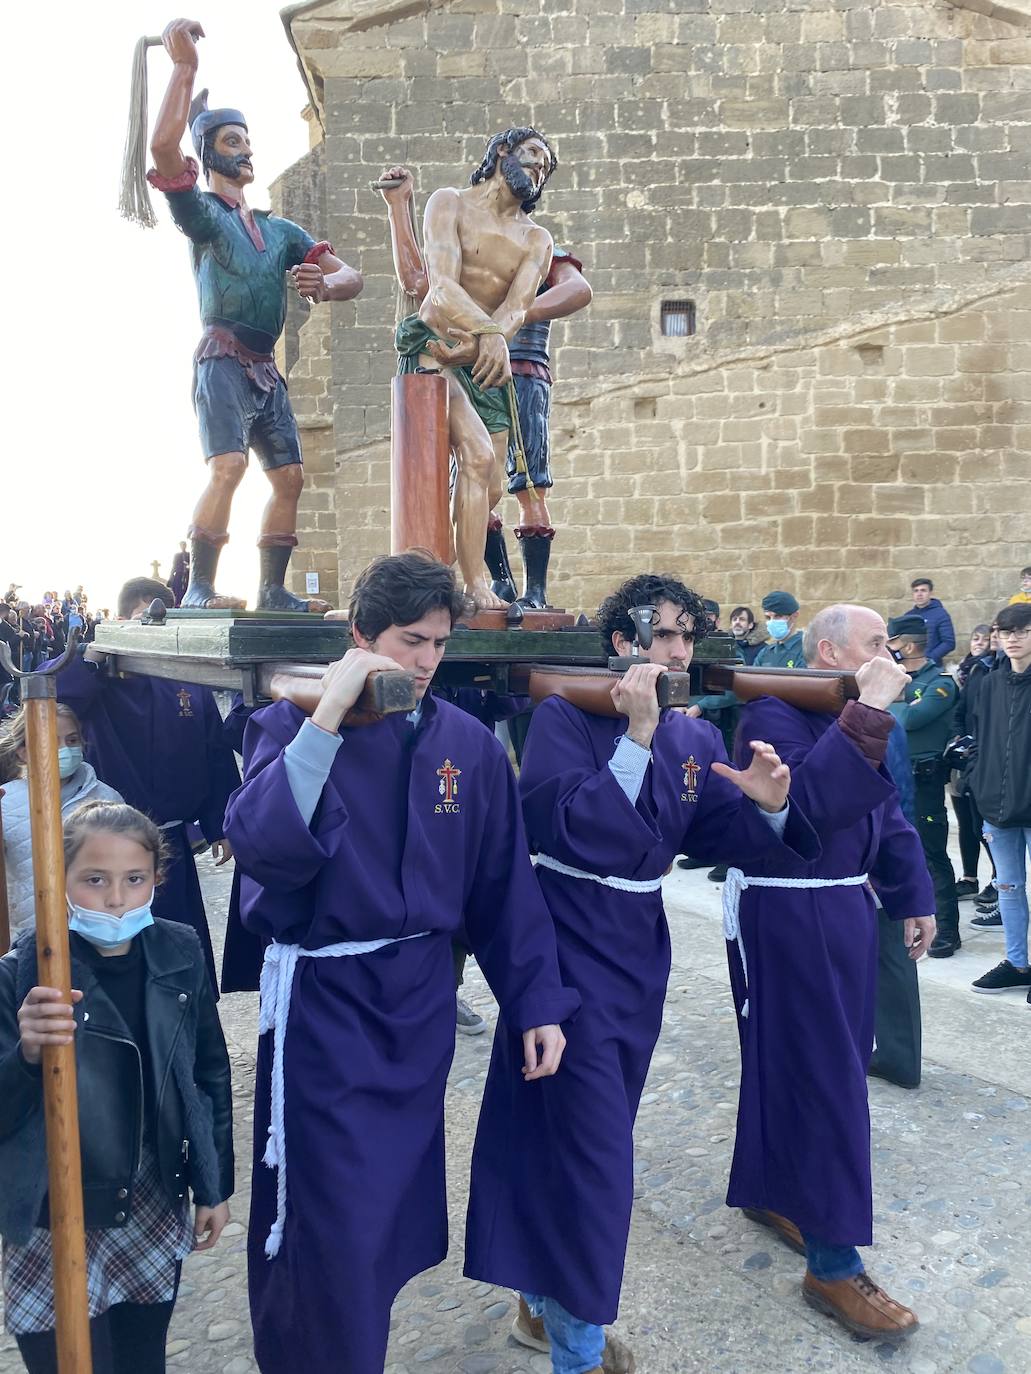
column 803, row 1128
column 160, row 744
column 417, row 830
column 552, row 1182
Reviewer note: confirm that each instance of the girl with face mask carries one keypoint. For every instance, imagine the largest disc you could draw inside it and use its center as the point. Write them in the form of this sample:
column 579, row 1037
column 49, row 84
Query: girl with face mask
column 155, row 1101
column 79, row 784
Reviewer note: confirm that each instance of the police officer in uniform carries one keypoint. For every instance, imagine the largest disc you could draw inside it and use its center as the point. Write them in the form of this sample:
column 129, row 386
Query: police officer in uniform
column 784, row 647
column 926, row 715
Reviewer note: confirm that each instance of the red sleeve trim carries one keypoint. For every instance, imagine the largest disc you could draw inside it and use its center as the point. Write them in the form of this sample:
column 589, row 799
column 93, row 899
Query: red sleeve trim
column 185, row 181
column 566, row 257
column 316, row 251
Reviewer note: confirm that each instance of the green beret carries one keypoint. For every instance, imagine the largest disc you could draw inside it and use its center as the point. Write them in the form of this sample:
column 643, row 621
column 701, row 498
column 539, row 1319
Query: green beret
column 902, row 626
column 780, row 603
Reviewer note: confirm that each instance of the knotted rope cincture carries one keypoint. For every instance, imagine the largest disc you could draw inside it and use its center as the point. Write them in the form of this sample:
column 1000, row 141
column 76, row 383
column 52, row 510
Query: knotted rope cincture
column 277, row 981
column 736, row 883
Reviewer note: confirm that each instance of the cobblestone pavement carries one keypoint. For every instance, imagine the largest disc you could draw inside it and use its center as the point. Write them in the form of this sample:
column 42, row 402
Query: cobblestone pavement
column 706, row 1291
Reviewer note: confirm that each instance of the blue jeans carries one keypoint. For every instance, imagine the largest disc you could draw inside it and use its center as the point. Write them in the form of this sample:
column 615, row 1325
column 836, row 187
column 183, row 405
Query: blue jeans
column 1008, row 845
column 576, row 1346
column 830, row 1262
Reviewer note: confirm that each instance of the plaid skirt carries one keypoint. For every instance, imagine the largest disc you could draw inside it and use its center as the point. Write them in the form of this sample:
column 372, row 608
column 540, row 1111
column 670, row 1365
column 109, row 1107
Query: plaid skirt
column 131, row 1263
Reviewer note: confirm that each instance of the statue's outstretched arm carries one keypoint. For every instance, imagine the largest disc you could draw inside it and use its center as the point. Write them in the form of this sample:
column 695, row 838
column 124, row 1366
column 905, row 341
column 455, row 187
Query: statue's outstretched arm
column 409, row 267
column 569, row 293
column 180, row 40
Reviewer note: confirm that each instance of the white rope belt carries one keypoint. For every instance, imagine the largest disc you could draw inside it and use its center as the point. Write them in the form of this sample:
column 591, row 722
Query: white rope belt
column 620, row 884
column 277, row 981
column 736, row 883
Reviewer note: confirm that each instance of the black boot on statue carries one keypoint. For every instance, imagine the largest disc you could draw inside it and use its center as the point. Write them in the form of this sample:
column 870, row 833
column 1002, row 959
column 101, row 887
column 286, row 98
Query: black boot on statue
column 274, row 558
column 535, row 543
column 205, row 548
column 495, row 555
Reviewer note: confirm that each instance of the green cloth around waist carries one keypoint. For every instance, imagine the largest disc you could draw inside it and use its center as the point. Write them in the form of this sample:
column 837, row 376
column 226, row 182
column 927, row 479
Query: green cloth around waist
column 492, row 405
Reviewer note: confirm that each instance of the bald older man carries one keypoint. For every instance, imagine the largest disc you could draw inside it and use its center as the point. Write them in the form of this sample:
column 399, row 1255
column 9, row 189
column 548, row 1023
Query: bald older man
column 802, row 945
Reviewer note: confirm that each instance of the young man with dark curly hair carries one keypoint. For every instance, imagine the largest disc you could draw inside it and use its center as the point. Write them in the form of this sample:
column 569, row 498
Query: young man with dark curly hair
column 609, row 802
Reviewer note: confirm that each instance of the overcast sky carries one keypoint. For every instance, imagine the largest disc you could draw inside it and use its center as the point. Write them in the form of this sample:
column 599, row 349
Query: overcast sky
column 102, row 464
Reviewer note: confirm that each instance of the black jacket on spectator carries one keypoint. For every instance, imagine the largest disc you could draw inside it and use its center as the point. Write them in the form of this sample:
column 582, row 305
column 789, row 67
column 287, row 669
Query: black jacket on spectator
column 184, row 1075
column 1001, row 776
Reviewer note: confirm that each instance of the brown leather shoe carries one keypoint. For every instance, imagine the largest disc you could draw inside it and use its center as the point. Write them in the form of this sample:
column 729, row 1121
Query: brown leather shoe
column 861, row 1306
column 528, row 1330
column 785, row 1229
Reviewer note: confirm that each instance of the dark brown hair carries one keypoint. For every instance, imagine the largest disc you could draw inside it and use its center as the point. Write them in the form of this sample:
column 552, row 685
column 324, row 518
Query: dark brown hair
column 118, row 818
column 399, row 589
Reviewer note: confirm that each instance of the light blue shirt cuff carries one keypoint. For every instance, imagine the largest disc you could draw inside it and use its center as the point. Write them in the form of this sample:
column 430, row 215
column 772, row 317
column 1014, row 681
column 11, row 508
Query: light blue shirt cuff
column 308, row 759
column 629, row 764
column 776, row 820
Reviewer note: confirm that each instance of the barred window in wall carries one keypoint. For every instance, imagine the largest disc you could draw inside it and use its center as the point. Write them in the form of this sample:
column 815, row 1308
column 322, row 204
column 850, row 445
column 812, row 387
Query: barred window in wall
column 678, row 319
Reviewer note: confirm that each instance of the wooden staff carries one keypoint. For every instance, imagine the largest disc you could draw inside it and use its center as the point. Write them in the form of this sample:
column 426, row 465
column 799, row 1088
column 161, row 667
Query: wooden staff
column 5, row 910
column 60, row 1099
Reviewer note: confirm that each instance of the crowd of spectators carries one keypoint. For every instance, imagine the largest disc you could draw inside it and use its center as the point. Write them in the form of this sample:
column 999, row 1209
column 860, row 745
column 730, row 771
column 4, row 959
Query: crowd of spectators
column 35, row 631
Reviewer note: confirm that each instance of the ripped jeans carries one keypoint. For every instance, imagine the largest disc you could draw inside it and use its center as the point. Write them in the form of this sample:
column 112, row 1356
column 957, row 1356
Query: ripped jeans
column 1009, row 845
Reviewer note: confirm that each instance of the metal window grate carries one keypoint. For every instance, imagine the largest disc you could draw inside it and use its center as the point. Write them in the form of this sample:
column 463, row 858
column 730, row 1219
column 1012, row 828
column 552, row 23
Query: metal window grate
column 678, row 319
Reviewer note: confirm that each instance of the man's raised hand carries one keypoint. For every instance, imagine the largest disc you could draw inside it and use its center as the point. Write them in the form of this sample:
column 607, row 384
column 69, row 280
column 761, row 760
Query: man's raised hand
column 766, row 780
column 342, row 685
column 180, row 40
column 542, row 1052
column 397, row 195
column 880, row 681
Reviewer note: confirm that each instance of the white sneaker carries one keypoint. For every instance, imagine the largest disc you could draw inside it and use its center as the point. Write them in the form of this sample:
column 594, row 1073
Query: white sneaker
column 467, row 1021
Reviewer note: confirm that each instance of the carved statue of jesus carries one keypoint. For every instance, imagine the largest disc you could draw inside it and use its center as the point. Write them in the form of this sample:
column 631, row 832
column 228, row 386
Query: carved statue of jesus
column 485, row 259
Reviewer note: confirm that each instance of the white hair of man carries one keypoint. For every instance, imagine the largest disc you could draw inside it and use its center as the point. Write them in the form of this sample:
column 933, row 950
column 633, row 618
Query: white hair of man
column 830, row 623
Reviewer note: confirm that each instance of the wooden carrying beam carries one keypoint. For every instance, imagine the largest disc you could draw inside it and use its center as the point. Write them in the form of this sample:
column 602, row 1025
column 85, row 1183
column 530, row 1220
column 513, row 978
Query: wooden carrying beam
column 60, row 1101
column 419, row 449
column 385, row 692
column 591, row 688
column 5, row 910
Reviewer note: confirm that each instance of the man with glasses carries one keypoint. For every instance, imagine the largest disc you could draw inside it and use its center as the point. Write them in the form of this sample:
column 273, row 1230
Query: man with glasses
column 1001, row 784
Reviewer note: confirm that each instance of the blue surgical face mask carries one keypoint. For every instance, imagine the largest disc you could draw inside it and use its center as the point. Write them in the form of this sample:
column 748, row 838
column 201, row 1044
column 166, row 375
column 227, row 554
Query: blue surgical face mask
column 69, row 761
column 777, row 629
column 105, row 931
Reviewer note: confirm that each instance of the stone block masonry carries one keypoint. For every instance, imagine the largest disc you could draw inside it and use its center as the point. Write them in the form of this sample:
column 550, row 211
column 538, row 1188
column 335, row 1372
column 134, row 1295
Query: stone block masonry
column 844, row 191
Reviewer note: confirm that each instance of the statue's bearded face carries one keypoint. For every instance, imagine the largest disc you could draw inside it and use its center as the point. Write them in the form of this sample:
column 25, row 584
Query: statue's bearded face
column 526, row 168
column 230, row 155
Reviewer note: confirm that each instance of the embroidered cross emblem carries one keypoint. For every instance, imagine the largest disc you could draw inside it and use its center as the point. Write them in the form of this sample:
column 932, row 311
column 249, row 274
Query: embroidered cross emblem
column 449, row 776
column 692, row 768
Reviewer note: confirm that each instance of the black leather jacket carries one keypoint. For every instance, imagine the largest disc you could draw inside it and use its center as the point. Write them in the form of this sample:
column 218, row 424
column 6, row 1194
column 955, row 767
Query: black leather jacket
column 186, row 1047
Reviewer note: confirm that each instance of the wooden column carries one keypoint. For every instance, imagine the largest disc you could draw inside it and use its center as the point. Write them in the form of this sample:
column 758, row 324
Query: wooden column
column 60, row 1099
column 419, row 449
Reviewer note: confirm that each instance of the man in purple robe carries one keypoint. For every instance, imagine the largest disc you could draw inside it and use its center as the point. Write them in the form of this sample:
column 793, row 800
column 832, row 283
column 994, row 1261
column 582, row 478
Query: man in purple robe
column 364, row 850
column 802, row 945
column 609, row 803
column 159, row 744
